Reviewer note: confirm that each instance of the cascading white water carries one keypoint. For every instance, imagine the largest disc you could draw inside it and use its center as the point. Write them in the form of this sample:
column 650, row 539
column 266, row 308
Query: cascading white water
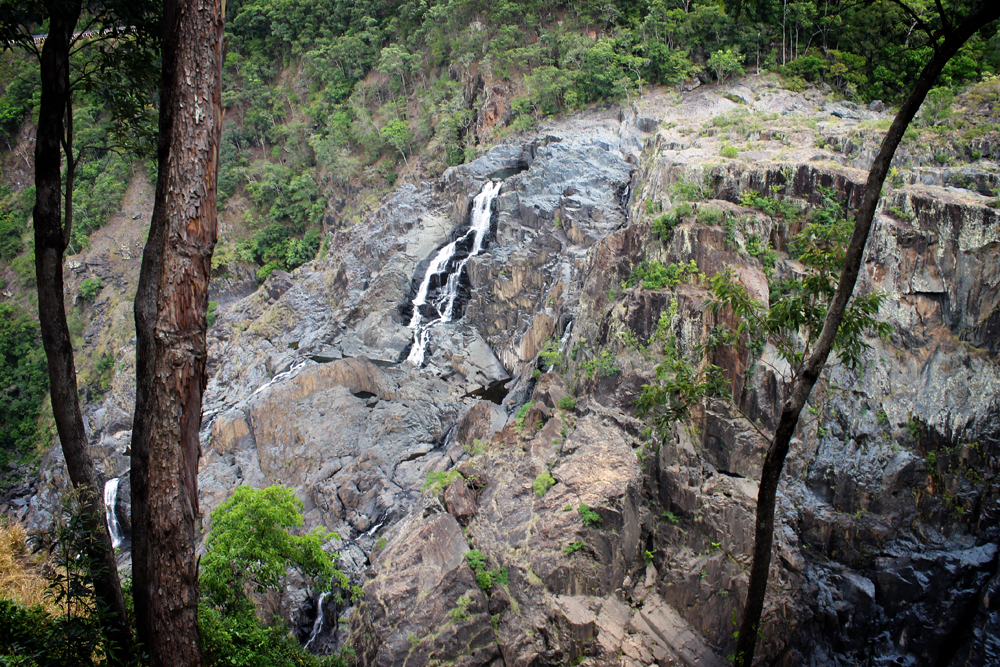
column 444, row 304
column 318, row 623
column 110, row 498
column 562, row 343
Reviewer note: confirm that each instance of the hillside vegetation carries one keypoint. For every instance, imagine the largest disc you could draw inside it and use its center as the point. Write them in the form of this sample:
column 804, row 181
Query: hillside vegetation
column 329, row 104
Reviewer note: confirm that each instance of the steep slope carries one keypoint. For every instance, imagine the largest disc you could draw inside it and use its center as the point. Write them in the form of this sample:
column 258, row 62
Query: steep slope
column 596, row 542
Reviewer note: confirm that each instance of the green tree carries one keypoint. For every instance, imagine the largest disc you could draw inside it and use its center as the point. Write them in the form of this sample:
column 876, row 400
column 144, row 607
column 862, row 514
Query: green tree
column 68, row 61
column 23, row 382
column 947, row 31
column 726, row 63
column 250, row 548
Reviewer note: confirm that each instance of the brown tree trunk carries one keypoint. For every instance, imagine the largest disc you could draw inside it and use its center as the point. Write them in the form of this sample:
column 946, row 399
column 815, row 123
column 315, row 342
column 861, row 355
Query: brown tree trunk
column 170, row 315
column 51, row 237
column 774, row 461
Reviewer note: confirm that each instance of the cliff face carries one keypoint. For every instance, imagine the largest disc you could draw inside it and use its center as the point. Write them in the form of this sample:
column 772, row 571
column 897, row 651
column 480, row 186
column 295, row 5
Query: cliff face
column 598, row 543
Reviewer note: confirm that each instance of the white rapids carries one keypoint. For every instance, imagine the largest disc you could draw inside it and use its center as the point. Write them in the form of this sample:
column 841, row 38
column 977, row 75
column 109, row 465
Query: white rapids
column 444, row 304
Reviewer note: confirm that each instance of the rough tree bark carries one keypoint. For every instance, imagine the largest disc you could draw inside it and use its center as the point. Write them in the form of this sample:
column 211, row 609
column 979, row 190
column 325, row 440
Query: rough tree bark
column 52, row 234
column 170, row 315
column 985, row 12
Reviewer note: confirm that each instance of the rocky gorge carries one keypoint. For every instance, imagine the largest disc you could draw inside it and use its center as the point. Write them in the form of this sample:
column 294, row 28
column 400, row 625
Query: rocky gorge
column 517, row 438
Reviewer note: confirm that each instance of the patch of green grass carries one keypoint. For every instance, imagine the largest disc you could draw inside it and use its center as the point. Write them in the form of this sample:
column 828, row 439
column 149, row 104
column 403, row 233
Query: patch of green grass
column 567, row 403
column 574, row 547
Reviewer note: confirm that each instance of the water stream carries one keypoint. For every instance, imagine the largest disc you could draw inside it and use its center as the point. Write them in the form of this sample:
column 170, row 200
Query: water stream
column 110, row 498
column 445, row 269
column 318, row 623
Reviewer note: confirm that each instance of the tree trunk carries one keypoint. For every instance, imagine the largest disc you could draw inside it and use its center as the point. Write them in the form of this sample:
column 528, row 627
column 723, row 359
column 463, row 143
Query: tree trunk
column 50, row 244
column 774, row 461
column 170, row 314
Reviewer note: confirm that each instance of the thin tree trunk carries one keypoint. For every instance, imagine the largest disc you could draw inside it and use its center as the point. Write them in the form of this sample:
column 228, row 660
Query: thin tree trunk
column 52, row 137
column 774, row 461
column 170, row 313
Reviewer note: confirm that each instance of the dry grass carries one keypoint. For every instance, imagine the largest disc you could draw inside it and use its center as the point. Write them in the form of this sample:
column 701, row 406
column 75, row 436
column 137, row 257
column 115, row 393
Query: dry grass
column 20, row 572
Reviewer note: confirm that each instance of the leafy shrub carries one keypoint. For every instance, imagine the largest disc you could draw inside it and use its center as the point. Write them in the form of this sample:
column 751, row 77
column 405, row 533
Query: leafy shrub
column 602, row 365
column 729, row 151
column 780, row 208
column 249, row 547
column 90, row 288
column 656, row 276
column 543, row 482
column 728, row 62
column 589, row 517
column 11, row 231
column 709, row 216
column 567, row 403
column 439, row 481
column 476, row 559
column 574, row 547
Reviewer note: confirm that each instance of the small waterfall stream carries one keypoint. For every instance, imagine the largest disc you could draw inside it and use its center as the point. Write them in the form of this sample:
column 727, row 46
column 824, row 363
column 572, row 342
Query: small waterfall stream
column 450, row 261
column 562, row 344
column 110, row 498
column 318, row 623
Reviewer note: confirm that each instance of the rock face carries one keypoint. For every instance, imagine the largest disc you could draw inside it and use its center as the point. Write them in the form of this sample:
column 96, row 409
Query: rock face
column 561, row 532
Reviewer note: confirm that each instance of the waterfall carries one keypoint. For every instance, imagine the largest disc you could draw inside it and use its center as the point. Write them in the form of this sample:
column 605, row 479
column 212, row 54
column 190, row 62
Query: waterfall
column 443, row 306
column 562, row 343
column 318, row 623
column 110, row 498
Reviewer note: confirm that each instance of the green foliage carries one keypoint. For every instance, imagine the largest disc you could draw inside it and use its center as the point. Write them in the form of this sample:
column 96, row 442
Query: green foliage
column 90, row 288
column 551, row 356
column 460, row 613
column 798, row 303
column 567, row 403
column 476, row 559
column 601, row 365
column 543, row 482
column 573, row 547
column 24, row 382
column 242, row 640
column 726, row 63
column 936, row 108
column 729, row 151
column 677, row 387
column 589, row 517
column 655, row 276
column 78, row 635
column 11, row 231
column 250, row 549
column 688, row 191
column 663, row 226
column 438, row 481
column 521, row 413
column 211, row 313
column 776, row 208
column 709, row 216
column 484, row 580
